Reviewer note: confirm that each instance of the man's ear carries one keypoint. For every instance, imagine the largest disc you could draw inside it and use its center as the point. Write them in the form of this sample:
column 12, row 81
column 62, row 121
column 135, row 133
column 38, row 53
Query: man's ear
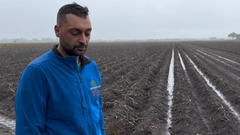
column 57, row 30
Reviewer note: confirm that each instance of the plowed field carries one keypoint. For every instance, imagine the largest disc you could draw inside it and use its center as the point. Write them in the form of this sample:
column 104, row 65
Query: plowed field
column 136, row 92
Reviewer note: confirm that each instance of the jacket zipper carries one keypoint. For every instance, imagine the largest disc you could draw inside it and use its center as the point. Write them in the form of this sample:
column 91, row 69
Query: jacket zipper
column 90, row 112
column 82, row 103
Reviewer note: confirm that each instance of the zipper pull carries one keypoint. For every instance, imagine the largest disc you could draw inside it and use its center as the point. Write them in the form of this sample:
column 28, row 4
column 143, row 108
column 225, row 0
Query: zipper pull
column 80, row 78
column 83, row 109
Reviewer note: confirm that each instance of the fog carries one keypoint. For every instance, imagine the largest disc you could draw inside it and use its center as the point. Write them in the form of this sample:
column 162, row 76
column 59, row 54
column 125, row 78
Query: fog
column 124, row 19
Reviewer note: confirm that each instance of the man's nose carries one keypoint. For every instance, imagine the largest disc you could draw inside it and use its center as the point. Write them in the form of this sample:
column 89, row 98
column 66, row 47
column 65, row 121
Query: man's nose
column 82, row 39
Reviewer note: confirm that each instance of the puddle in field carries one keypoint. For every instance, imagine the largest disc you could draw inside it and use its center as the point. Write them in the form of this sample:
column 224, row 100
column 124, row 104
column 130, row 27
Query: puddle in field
column 234, row 62
column 234, row 112
column 10, row 124
column 234, row 76
column 227, row 59
column 170, row 91
column 183, row 66
column 194, row 95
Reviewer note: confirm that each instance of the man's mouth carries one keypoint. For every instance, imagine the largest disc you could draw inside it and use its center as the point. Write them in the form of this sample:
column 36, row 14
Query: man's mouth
column 80, row 48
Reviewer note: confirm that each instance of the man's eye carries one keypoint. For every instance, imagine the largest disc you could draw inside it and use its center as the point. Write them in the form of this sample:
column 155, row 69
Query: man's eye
column 74, row 34
column 87, row 34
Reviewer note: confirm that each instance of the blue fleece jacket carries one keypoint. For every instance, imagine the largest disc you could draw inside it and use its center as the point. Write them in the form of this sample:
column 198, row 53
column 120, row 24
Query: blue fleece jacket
column 54, row 97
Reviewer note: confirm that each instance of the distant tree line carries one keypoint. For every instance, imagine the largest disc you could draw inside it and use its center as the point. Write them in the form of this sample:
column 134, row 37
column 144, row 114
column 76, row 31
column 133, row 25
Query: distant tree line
column 24, row 40
column 234, row 35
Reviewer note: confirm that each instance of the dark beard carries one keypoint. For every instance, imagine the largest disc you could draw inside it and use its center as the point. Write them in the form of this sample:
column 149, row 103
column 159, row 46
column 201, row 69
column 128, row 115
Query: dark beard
column 71, row 52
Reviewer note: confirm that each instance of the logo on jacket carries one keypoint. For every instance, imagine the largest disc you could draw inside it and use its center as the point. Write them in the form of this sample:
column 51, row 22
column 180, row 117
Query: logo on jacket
column 94, row 83
column 95, row 89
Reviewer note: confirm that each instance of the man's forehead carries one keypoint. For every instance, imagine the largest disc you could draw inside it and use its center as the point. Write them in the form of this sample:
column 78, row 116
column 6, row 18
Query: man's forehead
column 73, row 17
column 78, row 22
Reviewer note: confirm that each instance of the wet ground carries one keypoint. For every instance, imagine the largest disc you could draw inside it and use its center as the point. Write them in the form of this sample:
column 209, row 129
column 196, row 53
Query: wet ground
column 135, row 85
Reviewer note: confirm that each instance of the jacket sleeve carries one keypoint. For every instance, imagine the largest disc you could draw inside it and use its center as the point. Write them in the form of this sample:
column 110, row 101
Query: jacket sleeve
column 101, row 119
column 30, row 102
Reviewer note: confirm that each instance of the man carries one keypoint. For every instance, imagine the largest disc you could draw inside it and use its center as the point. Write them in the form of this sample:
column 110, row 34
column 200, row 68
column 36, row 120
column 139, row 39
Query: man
column 59, row 92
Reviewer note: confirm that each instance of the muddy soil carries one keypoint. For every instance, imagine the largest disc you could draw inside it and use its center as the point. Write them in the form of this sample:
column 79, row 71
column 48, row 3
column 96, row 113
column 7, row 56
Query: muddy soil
column 219, row 117
column 225, row 76
column 187, row 114
column 134, row 85
column 226, row 46
column 131, row 107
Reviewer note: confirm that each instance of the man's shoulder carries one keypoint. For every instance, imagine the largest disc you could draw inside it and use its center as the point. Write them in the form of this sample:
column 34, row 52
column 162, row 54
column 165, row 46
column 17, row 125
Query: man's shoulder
column 88, row 58
column 91, row 60
column 48, row 56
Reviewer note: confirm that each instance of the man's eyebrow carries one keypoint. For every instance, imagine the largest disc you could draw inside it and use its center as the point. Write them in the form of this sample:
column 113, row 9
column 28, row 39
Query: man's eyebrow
column 80, row 29
column 76, row 29
column 90, row 29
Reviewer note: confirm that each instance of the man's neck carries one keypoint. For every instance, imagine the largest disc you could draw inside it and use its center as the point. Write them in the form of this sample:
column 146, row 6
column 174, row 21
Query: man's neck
column 64, row 54
column 78, row 60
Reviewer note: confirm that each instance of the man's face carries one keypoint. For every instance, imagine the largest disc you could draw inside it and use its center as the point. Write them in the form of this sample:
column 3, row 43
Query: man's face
column 74, row 35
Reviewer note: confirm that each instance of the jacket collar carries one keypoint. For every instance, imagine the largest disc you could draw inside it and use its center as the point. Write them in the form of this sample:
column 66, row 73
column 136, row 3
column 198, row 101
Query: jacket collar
column 82, row 58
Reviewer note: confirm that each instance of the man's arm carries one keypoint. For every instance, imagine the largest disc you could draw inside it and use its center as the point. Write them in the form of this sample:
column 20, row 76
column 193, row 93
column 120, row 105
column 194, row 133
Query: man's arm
column 30, row 102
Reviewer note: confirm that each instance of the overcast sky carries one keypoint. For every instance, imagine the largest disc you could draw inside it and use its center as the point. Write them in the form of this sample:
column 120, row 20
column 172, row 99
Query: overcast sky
column 125, row 19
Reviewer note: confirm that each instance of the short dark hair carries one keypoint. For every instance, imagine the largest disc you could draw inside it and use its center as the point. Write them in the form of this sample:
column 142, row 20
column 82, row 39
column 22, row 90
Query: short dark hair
column 74, row 9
